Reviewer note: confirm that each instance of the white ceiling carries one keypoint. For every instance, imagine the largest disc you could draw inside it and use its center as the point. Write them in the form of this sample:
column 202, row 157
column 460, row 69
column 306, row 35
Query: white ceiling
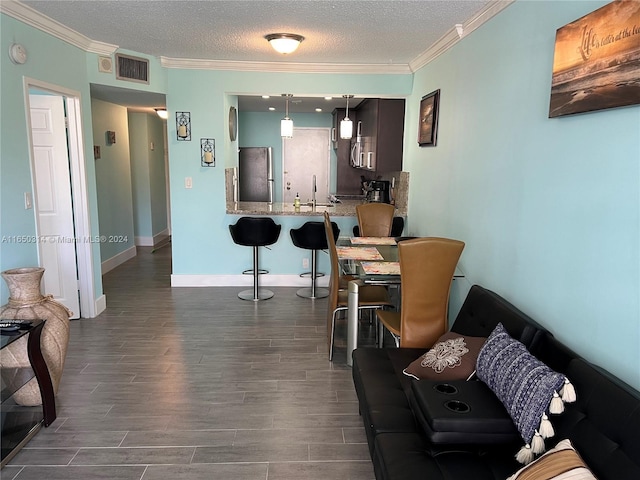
column 350, row 34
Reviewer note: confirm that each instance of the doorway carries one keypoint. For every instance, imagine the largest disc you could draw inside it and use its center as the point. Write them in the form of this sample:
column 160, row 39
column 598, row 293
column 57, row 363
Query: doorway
column 61, row 211
column 305, row 155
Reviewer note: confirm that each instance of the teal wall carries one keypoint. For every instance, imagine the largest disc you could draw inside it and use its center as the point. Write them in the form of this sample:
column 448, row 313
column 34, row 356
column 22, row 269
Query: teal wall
column 141, row 187
column 262, row 129
column 549, row 208
column 198, row 218
column 113, row 178
column 148, row 174
column 156, row 128
column 55, row 62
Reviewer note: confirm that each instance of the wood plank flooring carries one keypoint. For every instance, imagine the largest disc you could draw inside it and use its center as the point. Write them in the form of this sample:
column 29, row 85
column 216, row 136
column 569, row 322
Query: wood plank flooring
column 194, row 383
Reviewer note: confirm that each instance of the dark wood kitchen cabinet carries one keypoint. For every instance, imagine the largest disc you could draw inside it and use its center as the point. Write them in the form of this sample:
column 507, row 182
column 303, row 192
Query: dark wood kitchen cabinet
column 382, row 130
column 348, row 180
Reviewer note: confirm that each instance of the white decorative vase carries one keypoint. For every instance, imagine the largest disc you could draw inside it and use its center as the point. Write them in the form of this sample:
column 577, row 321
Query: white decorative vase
column 26, row 302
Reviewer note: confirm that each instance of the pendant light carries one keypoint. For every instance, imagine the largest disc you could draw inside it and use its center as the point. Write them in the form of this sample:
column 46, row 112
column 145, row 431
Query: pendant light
column 286, row 124
column 346, row 125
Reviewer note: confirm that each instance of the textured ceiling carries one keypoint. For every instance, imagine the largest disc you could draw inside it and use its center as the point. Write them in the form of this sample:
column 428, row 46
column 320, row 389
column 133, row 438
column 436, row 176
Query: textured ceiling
column 344, row 32
column 355, row 32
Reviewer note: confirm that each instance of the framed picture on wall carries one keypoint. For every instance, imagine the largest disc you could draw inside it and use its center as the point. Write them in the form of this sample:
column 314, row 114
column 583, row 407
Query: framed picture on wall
column 596, row 61
column 428, row 123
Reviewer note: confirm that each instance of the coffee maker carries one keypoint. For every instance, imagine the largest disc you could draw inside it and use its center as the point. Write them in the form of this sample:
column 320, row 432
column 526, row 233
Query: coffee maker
column 378, row 191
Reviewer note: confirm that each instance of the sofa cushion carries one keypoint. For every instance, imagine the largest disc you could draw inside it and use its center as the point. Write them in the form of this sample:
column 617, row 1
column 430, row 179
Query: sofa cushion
column 452, row 357
column 527, row 387
column 561, row 462
column 408, row 456
column 483, row 309
column 603, row 423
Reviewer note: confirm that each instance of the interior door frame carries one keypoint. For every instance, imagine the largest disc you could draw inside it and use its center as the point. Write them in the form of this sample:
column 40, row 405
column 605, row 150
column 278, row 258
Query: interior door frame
column 79, row 192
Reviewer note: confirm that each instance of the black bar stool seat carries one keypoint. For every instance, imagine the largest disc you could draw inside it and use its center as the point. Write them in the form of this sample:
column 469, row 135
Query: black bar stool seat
column 312, row 236
column 255, row 232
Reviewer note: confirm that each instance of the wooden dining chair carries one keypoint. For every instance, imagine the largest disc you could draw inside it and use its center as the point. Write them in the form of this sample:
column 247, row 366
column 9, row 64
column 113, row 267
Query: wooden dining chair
column 371, row 297
column 427, row 266
column 375, row 219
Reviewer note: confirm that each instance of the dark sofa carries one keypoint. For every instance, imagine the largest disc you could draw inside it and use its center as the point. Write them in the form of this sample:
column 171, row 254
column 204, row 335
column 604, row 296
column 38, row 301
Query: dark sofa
column 603, row 424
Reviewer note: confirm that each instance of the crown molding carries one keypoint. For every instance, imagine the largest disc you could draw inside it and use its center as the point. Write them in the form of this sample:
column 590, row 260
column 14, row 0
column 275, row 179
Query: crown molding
column 35, row 19
column 280, row 67
column 457, row 33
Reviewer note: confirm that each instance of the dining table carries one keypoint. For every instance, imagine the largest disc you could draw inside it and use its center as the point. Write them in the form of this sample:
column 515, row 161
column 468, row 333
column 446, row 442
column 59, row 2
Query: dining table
column 373, row 261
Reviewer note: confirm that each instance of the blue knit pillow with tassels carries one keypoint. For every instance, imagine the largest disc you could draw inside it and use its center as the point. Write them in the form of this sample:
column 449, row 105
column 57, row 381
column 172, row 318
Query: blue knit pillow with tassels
column 526, row 387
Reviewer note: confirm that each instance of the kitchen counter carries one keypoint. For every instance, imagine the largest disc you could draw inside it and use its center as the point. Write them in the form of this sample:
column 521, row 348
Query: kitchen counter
column 347, row 208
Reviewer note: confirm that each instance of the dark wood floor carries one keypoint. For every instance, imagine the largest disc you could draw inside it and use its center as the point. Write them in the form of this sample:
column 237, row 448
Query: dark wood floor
column 194, row 383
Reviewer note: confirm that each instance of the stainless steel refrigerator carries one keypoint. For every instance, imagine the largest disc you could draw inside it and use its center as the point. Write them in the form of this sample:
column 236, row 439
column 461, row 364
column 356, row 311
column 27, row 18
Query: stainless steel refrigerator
column 255, row 174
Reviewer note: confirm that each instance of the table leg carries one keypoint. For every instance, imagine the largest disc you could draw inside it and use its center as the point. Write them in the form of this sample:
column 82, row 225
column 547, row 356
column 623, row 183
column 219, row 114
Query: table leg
column 42, row 374
column 352, row 318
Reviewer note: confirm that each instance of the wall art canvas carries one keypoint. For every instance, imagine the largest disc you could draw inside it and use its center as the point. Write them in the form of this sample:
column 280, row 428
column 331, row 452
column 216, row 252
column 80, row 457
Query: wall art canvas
column 428, row 128
column 596, row 62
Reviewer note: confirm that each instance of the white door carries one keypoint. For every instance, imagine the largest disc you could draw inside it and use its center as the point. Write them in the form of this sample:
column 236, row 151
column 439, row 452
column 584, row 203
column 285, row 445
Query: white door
column 54, row 208
column 303, row 156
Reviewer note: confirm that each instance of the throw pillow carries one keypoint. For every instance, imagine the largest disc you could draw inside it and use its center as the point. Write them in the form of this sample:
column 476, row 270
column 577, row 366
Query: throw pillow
column 452, row 357
column 561, row 462
column 526, row 387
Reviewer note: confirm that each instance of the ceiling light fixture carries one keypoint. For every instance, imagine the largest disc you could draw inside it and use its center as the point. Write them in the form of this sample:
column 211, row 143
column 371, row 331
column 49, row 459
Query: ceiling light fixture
column 346, row 125
column 162, row 113
column 286, row 124
column 284, row 43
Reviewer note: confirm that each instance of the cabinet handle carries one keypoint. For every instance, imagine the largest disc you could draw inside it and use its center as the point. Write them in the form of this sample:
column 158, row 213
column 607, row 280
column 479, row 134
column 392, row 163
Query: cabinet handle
column 361, row 160
column 369, row 160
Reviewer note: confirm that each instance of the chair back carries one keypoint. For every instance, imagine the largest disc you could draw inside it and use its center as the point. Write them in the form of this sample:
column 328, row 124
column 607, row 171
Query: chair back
column 397, row 227
column 311, row 235
column 427, row 266
column 255, row 231
column 334, row 279
column 375, row 219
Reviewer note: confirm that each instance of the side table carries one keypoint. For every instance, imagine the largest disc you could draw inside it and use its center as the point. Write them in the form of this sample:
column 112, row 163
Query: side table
column 20, row 423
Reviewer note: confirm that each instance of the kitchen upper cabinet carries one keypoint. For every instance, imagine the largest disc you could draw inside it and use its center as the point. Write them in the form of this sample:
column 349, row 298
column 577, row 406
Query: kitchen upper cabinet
column 348, row 180
column 382, row 128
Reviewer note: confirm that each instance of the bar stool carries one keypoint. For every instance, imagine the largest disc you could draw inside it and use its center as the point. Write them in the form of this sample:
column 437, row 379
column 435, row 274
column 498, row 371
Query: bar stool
column 255, row 232
column 311, row 236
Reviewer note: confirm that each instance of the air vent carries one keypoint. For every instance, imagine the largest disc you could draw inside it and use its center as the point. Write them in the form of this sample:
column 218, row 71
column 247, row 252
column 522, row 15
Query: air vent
column 132, row 69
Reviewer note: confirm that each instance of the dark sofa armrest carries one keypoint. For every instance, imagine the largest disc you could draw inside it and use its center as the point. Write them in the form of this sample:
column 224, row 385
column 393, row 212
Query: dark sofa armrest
column 461, row 412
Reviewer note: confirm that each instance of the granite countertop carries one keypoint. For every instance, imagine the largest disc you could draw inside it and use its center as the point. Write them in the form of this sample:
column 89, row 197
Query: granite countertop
column 347, row 208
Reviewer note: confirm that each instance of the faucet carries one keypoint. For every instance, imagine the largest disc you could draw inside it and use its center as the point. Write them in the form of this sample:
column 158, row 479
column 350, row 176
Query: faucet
column 314, row 189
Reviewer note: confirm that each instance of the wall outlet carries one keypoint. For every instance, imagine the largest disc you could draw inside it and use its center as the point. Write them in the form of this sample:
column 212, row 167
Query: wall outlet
column 188, row 182
column 305, row 263
column 28, row 201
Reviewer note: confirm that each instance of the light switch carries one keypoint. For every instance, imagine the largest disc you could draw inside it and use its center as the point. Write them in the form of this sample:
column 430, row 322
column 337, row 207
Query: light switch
column 28, row 202
column 188, row 182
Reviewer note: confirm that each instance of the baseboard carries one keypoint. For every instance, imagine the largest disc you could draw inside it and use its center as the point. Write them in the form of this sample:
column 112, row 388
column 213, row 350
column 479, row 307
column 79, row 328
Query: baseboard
column 143, row 241
column 161, row 237
column 100, row 304
column 118, row 259
column 268, row 280
column 152, row 241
